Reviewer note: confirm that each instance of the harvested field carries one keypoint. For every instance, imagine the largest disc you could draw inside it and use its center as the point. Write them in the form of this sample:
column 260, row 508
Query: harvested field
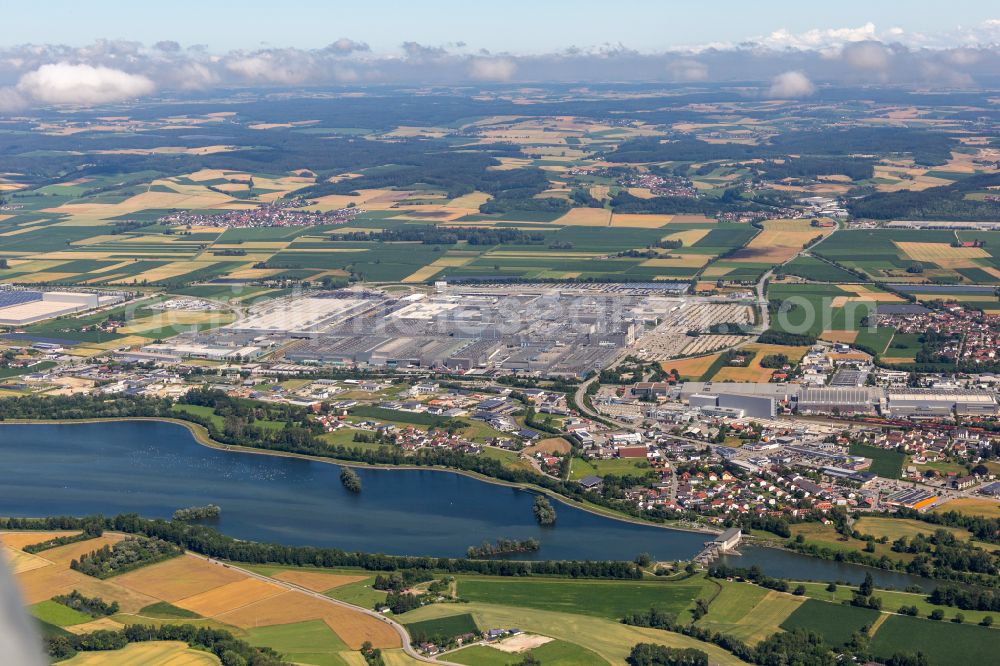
column 972, row 506
column 839, row 336
column 754, row 372
column 683, row 218
column 471, row 200
column 585, row 217
column 678, row 261
column 64, row 554
column 170, row 270
column 178, row 578
column 229, row 597
column 20, row 561
column 690, row 368
column 129, row 600
column 46, row 582
column 521, row 643
column 423, row 274
column 100, row 624
column 550, row 445
column 865, row 293
column 780, row 241
column 640, row 221
column 19, row 540
column 942, row 254
column 317, row 581
column 158, row 653
column 354, row 628
column 689, row 237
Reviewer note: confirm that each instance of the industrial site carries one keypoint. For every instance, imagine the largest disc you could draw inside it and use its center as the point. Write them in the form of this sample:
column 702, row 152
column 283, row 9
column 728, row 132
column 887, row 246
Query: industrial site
column 547, row 331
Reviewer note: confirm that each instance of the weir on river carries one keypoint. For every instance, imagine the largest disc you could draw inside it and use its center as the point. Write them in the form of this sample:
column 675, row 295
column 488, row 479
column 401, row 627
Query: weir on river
column 720, row 545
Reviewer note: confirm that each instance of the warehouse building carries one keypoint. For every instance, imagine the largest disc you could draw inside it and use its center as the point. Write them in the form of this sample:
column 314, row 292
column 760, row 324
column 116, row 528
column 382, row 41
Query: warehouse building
column 779, row 392
column 756, row 406
column 839, row 399
column 931, row 403
column 20, row 308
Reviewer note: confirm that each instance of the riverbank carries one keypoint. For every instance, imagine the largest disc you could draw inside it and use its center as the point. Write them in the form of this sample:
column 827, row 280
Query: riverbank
column 201, row 435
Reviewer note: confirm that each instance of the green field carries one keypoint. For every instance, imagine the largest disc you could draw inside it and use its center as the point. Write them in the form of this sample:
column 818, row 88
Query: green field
column 17, row 372
column 610, row 639
column 943, row 643
column 608, row 599
column 885, row 462
column 617, row 466
column 167, row 611
column 893, row 600
column 818, row 270
column 311, row 642
column 447, row 627
column 834, row 622
column 57, row 614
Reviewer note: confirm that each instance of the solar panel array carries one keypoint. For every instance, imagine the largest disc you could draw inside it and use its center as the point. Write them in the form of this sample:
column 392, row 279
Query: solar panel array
column 9, row 298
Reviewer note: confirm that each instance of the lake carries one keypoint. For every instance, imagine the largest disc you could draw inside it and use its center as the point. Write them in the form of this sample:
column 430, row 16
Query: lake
column 153, row 468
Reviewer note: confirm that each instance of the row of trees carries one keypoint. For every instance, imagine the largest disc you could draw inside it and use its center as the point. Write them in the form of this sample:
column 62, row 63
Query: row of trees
column 230, row 650
column 209, row 542
column 502, row 547
column 93, row 606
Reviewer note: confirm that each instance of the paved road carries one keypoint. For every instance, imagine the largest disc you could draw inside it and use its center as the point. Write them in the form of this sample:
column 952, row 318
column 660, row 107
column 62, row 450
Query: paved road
column 404, row 635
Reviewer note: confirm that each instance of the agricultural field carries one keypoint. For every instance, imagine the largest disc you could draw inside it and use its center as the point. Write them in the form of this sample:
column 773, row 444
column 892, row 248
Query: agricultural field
column 779, row 242
column 892, row 601
column 941, row 642
column 749, row 612
column 156, row 653
column 835, row 622
column 690, row 369
column 606, row 599
column 609, row 639
column 887, row 254
column 834, row 312
column 753, row 371
column 885, row 462
column 581, row 468
column 971, row 506
column 894, row 528
column 556, row 653
column 188, row 589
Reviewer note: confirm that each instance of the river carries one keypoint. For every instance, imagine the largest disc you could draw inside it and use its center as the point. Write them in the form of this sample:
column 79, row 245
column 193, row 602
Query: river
column 153, row 468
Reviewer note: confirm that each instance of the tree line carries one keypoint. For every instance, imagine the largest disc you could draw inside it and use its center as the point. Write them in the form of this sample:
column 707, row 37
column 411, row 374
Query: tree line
column 211, row 543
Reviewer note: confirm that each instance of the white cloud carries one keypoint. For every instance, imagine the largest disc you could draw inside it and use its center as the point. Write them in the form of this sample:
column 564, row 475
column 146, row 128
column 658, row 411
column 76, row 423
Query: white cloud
column 492, row 69
column 688, row 70
column 791, row 84
column 268, row 67
column 11, row 100
column 867, row 56
column 65, row 83
column 817, row 38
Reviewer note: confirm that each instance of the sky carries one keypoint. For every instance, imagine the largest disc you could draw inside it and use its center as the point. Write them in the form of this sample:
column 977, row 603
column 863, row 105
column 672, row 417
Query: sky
column 515, row 26
column 93, row 52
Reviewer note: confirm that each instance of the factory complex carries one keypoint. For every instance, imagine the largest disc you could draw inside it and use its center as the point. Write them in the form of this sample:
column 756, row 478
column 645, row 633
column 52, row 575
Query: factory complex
column 20, row 307
column 536, row 329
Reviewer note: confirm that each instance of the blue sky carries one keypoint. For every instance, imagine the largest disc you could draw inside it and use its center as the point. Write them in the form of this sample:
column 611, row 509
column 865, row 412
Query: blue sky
column 517, row 26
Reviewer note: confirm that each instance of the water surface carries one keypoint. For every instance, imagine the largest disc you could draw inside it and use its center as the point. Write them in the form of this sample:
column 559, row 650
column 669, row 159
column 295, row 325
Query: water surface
column 153, row 468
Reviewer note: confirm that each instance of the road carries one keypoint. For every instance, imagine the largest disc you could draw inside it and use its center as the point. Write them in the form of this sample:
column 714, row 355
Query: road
column 765, row 315
column 404, row 635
